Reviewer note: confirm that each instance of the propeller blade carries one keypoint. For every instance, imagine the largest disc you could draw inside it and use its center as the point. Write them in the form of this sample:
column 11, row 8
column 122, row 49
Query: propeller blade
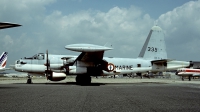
column 48, row 70
column 47, row 60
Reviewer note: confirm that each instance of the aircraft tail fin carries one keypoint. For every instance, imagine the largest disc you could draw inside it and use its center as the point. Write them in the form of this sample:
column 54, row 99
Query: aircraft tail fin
column 154, row 46
column 3, row 59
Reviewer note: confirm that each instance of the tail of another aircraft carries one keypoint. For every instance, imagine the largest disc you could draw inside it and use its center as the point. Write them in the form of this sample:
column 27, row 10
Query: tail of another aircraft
column 3, row 59
column 154, row 47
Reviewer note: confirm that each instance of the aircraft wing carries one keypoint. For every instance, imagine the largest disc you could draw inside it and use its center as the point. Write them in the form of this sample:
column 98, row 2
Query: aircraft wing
column 3, row 69
column 4, row 25
column 7, row 68
column 90, row 56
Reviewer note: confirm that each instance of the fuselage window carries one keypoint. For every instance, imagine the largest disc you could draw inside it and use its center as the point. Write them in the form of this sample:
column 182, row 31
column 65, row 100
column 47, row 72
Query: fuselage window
column 138, row 65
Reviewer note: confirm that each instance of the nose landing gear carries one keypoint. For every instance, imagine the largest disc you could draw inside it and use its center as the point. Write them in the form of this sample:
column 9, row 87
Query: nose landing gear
column 29, row 80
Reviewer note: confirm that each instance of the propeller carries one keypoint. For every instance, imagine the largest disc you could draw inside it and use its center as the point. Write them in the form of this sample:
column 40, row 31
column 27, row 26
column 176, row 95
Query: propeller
column 47, row 60
column 48, row 71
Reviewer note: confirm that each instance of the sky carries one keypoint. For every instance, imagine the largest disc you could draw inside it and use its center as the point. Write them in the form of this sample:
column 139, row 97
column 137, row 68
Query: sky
column 52, row 24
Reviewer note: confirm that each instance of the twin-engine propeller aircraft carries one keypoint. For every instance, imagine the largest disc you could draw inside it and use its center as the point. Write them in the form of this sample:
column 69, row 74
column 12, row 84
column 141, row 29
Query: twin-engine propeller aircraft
column 152, row 59
column 188, row 72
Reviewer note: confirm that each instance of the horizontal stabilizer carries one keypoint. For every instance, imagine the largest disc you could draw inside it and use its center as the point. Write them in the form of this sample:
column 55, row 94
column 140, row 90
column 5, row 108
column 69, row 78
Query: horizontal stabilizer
column 160, row 61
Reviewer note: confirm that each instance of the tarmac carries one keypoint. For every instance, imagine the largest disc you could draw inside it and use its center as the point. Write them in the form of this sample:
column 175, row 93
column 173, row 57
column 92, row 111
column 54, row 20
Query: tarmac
column 103, row 94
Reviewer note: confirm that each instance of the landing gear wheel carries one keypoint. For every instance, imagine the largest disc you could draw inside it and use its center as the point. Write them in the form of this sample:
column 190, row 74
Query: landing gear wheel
column 82, row 79
column 182, row 78
column 149, row 76
column 139, row 74
column 29, row 80
column 189, row 78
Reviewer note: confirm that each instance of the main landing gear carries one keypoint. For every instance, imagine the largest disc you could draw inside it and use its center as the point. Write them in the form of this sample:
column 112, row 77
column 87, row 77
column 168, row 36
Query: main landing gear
column 83, row 79
column 189, row 78
column 140, row 74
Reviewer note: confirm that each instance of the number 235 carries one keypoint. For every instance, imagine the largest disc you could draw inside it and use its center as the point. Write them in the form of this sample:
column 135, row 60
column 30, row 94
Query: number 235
column 152, row 49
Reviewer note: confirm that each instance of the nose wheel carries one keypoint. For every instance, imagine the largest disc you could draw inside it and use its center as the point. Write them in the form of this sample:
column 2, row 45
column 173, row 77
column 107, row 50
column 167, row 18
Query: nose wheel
column 29, row 80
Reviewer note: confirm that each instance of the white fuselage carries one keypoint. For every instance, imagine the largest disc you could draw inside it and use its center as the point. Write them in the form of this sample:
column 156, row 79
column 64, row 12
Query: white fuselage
column 36, row 65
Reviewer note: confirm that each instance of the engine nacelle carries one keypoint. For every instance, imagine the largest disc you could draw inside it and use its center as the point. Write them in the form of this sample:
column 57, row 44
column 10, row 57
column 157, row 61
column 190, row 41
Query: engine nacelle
column 77, row 70
column 54, row 76
column 68, row 61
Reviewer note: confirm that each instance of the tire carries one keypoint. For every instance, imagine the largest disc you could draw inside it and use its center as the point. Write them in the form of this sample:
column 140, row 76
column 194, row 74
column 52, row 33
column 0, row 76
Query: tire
column 29, row 81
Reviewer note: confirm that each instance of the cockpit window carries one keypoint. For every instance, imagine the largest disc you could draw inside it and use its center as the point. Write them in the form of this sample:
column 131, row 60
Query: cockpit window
column 35, row 56
column 18, row 62
column 39, row 56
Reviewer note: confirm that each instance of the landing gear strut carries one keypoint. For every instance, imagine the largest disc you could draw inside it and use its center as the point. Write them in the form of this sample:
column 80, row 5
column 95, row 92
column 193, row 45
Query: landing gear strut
column 189, row 78
column 83, row 79
column 182, row 78
column 139, row 74
column 29, row 80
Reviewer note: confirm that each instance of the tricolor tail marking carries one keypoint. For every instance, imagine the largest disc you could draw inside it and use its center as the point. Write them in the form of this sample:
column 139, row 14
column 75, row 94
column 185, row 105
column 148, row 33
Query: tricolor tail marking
column 3, row 59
